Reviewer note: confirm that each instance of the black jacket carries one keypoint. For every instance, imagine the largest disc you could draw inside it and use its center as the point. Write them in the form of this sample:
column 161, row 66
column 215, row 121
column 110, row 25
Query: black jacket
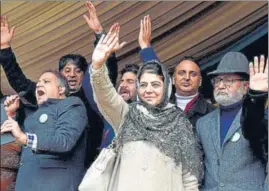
column 254, row 122
column 200, row 108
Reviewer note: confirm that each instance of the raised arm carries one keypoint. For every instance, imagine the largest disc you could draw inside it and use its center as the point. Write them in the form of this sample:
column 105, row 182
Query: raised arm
column 147, row 53
column 111, row 63
column 109, row 102
column 15, row 76
column 254, row 121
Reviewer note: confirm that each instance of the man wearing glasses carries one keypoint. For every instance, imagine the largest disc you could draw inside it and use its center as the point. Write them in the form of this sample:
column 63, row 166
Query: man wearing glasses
column 229, row 162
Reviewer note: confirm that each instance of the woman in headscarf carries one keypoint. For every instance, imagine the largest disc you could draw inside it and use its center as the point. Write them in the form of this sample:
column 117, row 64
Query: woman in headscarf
column 159, row 151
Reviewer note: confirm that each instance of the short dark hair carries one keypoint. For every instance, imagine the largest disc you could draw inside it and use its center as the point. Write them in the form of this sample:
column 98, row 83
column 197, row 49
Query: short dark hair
column 189, row 58
column 62, row 81
column 130, row 68
column 76, row 59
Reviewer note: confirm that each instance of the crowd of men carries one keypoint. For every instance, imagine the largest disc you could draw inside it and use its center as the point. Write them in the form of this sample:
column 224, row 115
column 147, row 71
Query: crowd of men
column 61, row 130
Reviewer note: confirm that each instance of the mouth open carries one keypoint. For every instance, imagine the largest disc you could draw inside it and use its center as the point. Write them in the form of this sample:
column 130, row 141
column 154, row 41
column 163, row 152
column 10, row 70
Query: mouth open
column 40, row 92
column 72, row 82
column 124, row 91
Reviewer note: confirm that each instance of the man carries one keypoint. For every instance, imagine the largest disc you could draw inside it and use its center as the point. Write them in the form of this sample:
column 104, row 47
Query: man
column 127, row 90
column 186, row 78
column 53, row 137
column 73, row 67
column 229, row 162
column 127, row 87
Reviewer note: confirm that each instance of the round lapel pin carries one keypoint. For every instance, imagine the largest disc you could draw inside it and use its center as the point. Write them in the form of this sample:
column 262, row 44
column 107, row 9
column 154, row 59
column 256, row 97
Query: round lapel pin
column 43, row 118
column 236, row 137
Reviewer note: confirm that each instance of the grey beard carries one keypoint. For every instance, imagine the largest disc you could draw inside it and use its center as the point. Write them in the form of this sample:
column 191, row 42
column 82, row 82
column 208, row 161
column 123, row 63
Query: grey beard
column 230, row 99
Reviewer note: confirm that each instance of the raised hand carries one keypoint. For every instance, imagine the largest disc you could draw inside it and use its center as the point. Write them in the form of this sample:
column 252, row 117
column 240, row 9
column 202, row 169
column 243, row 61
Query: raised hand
column 12, row 104
column 258, row 74
column 6, row 33
column 145, row 32
column 106, row 46
column 92, row 18
column 12, row 126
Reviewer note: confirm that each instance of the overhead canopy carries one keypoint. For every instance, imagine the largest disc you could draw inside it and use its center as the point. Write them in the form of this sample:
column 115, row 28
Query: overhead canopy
column 45, row 31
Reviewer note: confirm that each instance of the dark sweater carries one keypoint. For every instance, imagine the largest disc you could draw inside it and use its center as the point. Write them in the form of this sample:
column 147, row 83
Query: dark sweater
column 227, row 116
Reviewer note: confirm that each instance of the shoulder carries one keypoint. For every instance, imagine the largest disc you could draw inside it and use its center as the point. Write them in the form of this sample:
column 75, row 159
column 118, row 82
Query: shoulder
column 207, row 118
column 71, row 102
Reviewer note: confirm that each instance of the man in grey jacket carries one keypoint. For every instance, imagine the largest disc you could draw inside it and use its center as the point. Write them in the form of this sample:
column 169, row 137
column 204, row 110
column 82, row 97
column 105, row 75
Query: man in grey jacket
column 229, row 162
column 53, row 137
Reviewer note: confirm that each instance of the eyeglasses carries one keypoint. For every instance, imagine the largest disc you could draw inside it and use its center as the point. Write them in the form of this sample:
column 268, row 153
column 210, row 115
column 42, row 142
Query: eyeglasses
column 226, row 81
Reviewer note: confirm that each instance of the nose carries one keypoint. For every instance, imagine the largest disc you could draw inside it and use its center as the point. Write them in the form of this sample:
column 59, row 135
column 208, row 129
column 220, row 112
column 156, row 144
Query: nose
column 38, row 84
column 148, row 89
column 221, row 85
column 72, row 73
column 187, row 76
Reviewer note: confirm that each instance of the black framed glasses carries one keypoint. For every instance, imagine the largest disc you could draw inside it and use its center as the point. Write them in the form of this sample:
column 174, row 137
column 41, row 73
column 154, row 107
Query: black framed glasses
column 226, row 81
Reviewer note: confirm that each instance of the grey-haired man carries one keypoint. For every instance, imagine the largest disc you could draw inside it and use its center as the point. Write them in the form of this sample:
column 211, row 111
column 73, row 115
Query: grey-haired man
column 229, row 162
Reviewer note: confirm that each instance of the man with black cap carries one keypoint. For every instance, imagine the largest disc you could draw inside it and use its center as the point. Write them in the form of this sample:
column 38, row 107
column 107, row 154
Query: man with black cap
column 229, row 162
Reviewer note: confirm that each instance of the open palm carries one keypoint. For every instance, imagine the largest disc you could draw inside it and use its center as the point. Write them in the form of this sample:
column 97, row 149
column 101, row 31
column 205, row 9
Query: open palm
column 258, row 74
column 6, row 33
column 92, row 18
column 101, row 52
column 106, row 45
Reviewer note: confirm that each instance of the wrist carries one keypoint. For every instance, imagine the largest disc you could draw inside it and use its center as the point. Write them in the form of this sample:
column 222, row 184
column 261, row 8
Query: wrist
column 142, row 46
column 6, row 45
column 11, row 113
column 98, row 30
column 22, row 139
column 97, row 65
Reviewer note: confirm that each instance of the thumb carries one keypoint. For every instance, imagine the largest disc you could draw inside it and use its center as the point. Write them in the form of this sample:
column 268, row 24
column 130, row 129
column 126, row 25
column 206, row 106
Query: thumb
column 86, row 19
column 123, row 44
column 12, row 31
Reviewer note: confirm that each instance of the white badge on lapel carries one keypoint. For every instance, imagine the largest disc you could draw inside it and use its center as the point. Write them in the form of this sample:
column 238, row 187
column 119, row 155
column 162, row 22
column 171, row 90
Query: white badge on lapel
column 43, row 118
column 236, row 137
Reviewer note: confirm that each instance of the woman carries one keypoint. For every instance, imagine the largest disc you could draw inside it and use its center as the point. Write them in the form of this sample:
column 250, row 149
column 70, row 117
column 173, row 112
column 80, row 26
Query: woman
column 158, row 149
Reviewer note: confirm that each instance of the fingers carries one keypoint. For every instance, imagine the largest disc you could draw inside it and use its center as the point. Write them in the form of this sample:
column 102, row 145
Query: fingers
column 111, row 32
column 266, row 67
column 87, row 19
column 141, row 28
column 251, row 69
column 6, row 128
column 11, row 99
column 123, row 44
column 256, row 65
column 144, row 25
column 12, row 31
column 262, row 62
column 3, row 21
column 90, row 7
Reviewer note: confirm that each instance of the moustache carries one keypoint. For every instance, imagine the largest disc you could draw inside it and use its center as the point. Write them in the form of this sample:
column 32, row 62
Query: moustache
column 123, row 90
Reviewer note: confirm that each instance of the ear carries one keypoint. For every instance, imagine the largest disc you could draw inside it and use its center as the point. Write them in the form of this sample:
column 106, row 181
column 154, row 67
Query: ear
column 61, row 90
column 201, row 81
column 173, row 79
column 246, row 86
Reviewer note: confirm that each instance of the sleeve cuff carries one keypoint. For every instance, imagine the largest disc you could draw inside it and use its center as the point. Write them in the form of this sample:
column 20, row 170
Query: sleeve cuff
column 32, row 141
column 255, row 93
column 98, row 35
column 147, row 54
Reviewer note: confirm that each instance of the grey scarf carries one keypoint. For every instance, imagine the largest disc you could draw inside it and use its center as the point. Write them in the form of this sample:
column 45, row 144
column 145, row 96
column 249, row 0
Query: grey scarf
column 167, row 128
